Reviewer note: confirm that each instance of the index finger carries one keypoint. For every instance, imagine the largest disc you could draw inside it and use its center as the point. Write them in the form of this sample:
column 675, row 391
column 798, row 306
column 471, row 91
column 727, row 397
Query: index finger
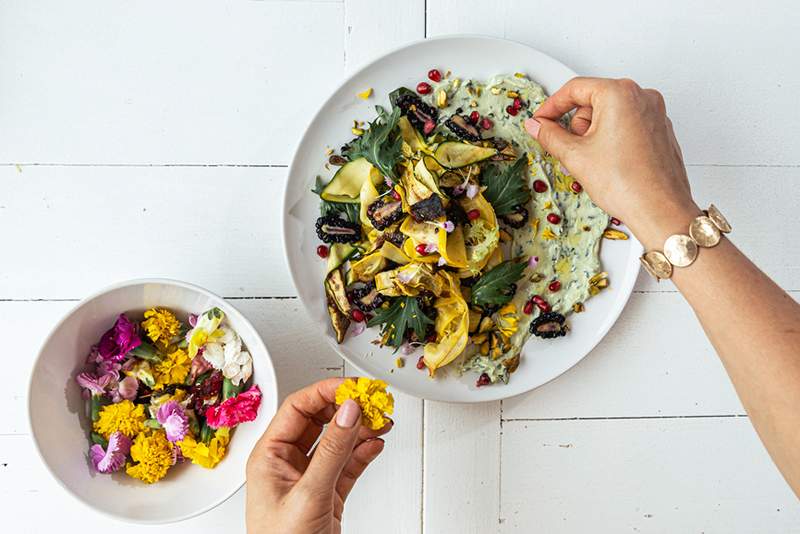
column 300, row 408
column 575, row 93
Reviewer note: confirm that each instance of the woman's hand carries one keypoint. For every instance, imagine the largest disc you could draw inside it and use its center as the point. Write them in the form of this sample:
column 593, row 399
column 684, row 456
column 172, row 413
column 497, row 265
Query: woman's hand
column 294, row 486
column 622, row 149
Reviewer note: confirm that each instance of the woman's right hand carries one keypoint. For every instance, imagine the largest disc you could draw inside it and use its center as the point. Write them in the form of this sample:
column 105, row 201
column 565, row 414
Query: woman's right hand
column 622, row 149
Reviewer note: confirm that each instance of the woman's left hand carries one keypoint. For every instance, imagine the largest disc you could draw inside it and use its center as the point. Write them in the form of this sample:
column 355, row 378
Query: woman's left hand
column 294, row 486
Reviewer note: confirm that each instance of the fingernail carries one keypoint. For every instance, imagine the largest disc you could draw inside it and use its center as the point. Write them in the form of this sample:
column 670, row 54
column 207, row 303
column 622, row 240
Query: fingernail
column 349, row 414
column 532, row 127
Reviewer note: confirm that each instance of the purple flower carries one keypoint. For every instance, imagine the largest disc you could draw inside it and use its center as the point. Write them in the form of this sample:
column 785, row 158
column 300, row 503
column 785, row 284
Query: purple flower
column 113, row 458
column 119, row 341
column 96, row 385
column 175, row 422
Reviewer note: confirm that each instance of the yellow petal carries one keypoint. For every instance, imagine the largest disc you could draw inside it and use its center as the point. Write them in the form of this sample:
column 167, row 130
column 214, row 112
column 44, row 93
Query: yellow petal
column 364, row 95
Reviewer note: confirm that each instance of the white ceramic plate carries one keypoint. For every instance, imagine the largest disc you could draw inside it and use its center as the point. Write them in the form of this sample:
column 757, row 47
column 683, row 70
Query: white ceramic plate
column 60, row 426
column 466, row 57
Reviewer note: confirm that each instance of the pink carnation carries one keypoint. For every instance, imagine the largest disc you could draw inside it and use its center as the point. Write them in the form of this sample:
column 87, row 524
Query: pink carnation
column 113, row 458
column 238, row 409
column 174, row 420
column 119, row 340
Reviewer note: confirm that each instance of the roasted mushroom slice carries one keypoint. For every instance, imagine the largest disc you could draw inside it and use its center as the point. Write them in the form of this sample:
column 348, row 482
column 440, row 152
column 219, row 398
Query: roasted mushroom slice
column 517, row 218
column 460, row 125
column 384, row 212
column 427, row 210
column 549, row 325
column 421, row 115
column 334, row 229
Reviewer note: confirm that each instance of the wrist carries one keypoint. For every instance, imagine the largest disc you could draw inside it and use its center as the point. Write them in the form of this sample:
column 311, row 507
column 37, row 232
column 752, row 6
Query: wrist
column 653, row 228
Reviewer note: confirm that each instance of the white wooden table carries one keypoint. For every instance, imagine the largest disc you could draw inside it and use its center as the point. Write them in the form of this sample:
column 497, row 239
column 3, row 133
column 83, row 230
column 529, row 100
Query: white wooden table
column 152, row 139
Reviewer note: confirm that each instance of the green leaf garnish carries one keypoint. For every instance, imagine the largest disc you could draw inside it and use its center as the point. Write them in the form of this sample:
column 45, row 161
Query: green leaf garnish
column 403, row 313
column 505, row 188
column 495, row 287
column 380, row 144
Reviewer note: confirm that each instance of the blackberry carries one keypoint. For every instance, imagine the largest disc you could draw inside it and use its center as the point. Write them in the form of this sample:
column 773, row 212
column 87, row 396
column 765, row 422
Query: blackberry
column 367, row 297
column 460, row 125
column 456, row 214
column 417, row 111
column 549, row 325
column 517, row 218
column 384, row 212
column 333, row 229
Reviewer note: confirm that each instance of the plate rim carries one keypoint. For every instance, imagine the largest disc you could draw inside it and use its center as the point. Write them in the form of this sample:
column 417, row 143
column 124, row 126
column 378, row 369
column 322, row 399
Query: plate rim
column 626, row 287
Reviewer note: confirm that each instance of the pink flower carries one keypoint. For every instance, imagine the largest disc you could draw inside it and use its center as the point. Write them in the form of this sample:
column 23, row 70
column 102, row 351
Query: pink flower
column 174, row 420
column 113, row 458
column 96, row 385
column 199, row 365
column 126, row 389
column 119, row 341
column 238, row 409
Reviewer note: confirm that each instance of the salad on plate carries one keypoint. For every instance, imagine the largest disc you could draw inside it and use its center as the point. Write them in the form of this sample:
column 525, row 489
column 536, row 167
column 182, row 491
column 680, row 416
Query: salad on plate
column 450, row 232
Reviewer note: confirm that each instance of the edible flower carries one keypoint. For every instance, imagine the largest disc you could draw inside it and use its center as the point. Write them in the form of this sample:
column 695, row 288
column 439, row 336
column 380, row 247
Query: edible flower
column 507, row 319
column 96, row 385
column 126, row 389
column 371, row 396
column 117, row 342
column 113, row 458
column 174, row 420
column 161, row 325
column 207, row 456
column 154, row 456
column 207, row 328
column 124, row 417
column 238, row 409
column 140, row 370
column 173, row 369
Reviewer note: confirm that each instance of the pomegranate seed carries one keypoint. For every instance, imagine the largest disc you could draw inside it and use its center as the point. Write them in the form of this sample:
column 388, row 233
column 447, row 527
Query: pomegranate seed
column 431, row 338
column 576, row 187
column 473, row 214
column 539, row 186
column 517, row 104
column 528, row 308
column 554, row 286
column 421, row 249
column 545, row 307
column 421, row 363
column 423, row 88
column 486, row 123
column 483, row 380
column 538, row 300
column 428, row 127
column 322, row 251
column 357, row 315
column 615, row 221
column 474, row 117
column 511, row 111
column 434, row 75
column 552, row 218
column 395, row 194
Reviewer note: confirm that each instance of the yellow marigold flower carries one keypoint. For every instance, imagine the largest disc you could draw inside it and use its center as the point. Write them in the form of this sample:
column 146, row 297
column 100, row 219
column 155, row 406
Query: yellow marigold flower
column 154, row 456
column 373, row 398
column 507, row 320
column 207, row 456
column 161, row 325
column 172, row 369
column 124, row 417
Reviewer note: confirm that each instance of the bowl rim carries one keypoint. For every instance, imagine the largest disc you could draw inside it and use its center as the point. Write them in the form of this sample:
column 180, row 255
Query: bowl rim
column 626, row 285
column 83, row 302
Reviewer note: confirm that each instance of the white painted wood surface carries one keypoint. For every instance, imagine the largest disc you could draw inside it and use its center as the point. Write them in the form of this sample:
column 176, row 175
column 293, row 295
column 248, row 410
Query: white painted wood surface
column 151, row 139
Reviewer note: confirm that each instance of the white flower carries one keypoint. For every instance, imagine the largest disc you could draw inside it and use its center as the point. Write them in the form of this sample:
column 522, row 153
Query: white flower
column 239, row 369
column 214, row 353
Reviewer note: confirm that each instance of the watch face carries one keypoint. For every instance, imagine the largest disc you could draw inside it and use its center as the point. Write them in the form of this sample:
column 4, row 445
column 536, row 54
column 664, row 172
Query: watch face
column 656, row 264
column 680, row 250
column 704, row 232
column 718, row 219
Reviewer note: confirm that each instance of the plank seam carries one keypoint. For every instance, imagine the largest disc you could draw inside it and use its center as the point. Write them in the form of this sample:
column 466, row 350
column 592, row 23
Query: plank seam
column 422, row 476
column 626, row 417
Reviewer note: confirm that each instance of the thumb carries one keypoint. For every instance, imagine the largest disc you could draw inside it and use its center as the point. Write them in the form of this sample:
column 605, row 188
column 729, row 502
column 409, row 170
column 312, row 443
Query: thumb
column 553, row 138
column 334, row 449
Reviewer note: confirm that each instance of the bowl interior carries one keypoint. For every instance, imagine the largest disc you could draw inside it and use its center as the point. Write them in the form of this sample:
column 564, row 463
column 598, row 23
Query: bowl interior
column 466, row 57
column 60, row 425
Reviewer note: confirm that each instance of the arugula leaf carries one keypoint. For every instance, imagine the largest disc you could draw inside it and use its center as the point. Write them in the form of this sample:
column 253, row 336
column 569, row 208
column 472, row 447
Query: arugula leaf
column 495, row 287
column 352, row 212
column 506, row 189
column 380, row 144
column 403, row 313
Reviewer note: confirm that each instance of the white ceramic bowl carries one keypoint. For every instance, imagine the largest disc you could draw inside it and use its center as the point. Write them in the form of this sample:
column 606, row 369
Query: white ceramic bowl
column 60, row 426
column 467, row 57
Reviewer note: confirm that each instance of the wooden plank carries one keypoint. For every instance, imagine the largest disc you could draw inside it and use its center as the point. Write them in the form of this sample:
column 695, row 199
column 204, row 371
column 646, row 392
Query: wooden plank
column 299, row 353
column 710, row 73
column 462, row 466
column 665, row 475
column 235, row 249
column 155, row 82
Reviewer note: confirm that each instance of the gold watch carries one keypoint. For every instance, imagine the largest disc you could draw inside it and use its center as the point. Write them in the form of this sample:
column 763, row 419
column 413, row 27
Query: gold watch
column 681, row 250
